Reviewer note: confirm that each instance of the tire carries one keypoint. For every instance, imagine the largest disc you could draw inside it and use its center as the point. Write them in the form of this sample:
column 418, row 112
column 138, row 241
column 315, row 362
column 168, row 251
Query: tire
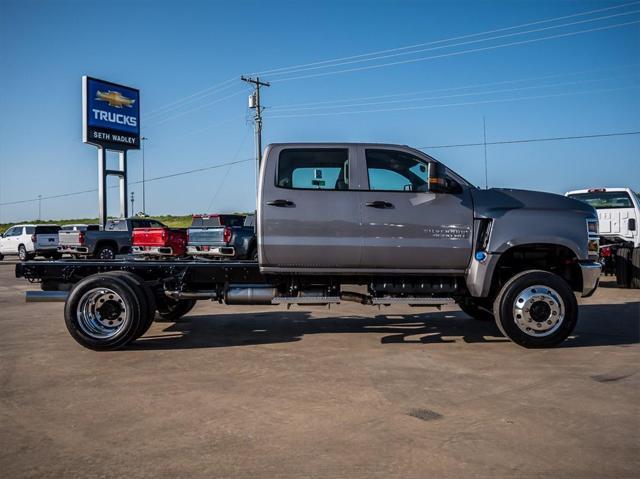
column 122, row 310
column 1, row 257
column 623, row 267
column 105, row 252
column 170, row 310
column 478, row 308
column 536, row 309
column 635, row 268
column 23, row 255
column 145, row 293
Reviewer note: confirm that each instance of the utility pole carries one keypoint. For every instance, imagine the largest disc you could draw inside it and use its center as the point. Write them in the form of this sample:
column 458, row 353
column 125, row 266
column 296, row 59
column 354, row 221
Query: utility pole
column 254, row 103
column 133, row 212
column 144, row 206
column 486, row 174
column 39, row 207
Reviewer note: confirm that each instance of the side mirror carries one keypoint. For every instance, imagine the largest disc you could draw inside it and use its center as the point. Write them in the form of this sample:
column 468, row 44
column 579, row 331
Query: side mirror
column 438, row 181
column 632, row 224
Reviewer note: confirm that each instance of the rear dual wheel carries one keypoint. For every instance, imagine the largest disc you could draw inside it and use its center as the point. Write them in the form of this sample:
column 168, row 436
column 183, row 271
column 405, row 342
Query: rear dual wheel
column 170, row 310
column 107, row 311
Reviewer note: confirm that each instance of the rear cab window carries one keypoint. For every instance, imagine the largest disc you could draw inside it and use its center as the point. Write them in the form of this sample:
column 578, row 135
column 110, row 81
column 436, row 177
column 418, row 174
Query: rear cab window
column 313, row 169
column 603, row 200
column 46, row 230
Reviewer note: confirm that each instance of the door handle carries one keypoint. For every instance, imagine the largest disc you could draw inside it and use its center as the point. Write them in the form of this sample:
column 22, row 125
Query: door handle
column 281, row 203
column 379, row 204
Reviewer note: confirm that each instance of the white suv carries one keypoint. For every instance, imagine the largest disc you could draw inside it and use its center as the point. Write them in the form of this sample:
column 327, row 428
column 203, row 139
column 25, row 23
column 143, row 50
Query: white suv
column 27, row 241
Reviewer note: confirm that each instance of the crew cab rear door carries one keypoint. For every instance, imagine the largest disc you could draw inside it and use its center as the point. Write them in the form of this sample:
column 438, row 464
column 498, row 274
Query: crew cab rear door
column 308, row 211
column 404, row 226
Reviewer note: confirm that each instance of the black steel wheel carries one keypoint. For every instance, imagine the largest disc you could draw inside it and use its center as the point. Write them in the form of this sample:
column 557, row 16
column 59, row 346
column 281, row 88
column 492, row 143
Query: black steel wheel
column 106, row 252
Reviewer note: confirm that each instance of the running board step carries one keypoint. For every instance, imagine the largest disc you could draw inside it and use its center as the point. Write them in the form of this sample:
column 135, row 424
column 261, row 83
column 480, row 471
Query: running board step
column 305, row 300
column 411, row 301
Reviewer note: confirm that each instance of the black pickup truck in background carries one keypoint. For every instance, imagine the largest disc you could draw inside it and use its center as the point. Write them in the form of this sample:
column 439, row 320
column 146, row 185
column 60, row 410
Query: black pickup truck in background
column 103, row 244
column 223, row 236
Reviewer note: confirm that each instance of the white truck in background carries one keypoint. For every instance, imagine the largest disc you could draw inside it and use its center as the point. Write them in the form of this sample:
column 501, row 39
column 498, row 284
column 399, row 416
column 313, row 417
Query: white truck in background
column 618, row 217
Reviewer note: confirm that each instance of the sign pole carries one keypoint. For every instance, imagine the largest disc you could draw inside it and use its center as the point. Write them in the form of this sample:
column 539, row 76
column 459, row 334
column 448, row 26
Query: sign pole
column 102, row 187
column 123, row 184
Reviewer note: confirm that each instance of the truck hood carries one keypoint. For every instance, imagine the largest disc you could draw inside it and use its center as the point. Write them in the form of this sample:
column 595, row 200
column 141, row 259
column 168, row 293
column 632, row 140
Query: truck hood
column 495, row 202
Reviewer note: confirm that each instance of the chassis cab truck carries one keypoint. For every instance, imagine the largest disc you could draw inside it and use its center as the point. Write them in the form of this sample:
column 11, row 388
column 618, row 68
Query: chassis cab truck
column 371, row 223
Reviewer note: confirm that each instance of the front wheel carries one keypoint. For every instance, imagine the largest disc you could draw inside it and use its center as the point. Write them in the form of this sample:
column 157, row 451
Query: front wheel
column 536, row 309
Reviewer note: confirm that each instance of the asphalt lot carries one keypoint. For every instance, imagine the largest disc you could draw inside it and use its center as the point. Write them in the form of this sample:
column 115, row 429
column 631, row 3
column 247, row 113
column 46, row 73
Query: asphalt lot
column 353, row 392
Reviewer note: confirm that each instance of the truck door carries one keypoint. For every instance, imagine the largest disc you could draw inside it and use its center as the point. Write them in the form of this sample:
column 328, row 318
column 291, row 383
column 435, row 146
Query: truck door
column 406, row 227
column 308, row 212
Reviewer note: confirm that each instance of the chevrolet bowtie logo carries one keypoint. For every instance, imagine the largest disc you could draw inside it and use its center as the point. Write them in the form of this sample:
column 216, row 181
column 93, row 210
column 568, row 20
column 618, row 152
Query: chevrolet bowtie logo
column 115, row 99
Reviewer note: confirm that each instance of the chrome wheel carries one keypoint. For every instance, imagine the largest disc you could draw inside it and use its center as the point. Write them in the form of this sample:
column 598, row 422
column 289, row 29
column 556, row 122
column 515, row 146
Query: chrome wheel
column 102, row 313
column 538, row 311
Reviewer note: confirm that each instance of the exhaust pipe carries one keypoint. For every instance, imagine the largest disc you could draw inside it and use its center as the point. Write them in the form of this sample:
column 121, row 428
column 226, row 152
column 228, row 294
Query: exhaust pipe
column 46, row 296
column 210, row 294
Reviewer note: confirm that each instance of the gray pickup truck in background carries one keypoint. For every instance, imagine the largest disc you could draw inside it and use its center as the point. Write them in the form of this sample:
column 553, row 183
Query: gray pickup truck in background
column 377, row 224
column 102, row 244
column 223, row 236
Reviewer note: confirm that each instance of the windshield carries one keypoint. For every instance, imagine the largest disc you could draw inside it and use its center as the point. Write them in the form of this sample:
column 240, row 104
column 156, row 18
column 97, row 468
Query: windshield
column 602, row 200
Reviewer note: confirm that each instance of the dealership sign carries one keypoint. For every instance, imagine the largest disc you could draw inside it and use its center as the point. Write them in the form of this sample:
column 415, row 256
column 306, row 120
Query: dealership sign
column 110, row 114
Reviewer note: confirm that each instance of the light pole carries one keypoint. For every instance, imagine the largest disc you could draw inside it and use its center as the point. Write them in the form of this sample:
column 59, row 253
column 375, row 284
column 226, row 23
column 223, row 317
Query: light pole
column 133, row 211
column 144, row 196
column 39, row 207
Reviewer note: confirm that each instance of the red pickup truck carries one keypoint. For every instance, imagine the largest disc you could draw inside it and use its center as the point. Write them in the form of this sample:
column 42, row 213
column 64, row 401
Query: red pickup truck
column 159, row 241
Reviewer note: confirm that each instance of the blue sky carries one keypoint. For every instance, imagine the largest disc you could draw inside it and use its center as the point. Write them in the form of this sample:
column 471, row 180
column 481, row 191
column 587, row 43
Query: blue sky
column 570, row 85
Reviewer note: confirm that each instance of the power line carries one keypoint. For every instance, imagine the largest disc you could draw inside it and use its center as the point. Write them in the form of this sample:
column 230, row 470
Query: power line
column 446, row 105
column 189, row 98
column 203, row 105
column 465, row 87
column 531, row 140
column 294, row 67
column 469, row 42
column 457, row 95
column 163, row 177
column 463, row 52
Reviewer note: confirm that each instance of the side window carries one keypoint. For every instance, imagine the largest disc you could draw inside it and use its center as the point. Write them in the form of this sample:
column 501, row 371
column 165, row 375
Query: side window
column 18, row 231
column 10, row 232
column 31, row 230
column 314, row 169
column 391, row 170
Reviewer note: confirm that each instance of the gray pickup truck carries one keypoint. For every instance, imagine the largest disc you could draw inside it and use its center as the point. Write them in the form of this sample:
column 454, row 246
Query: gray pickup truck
column 102, row 244
column 223, row 236
column 372, row 223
